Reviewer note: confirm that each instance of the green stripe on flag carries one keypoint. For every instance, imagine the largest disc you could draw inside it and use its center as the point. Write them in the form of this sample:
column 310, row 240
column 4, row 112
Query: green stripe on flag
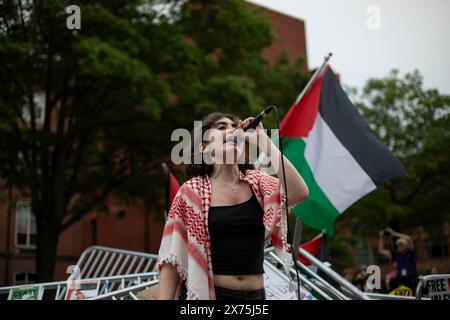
column 316, row 211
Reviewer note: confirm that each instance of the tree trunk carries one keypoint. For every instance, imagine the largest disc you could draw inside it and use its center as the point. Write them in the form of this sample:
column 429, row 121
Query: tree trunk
column 47, row 244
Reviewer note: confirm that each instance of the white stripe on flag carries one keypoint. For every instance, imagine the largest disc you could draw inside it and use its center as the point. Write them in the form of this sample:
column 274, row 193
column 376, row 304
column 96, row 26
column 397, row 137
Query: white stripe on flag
column 336, row 172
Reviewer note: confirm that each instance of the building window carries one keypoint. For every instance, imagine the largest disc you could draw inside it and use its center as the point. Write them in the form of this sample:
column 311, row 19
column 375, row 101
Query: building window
column 436, row 250
column 24, row 277
column 120, row 214
column 39, row 108
column 26, row 232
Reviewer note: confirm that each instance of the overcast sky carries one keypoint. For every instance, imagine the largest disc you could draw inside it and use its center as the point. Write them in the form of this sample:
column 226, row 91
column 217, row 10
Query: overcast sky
column 413, row 34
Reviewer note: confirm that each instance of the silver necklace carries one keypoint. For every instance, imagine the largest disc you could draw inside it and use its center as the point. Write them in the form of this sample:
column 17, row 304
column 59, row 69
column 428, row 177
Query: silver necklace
column 234, row 188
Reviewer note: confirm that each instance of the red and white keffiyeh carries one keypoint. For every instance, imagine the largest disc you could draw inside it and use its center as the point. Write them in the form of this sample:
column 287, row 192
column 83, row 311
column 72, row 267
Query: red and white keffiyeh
column 185, row 242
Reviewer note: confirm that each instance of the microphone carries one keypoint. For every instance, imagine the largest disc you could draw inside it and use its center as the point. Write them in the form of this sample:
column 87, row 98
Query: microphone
column 256, row 120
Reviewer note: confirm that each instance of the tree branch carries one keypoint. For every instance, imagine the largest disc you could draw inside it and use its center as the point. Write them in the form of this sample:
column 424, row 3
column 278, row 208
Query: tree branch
column 22, row 20
column 408, row 198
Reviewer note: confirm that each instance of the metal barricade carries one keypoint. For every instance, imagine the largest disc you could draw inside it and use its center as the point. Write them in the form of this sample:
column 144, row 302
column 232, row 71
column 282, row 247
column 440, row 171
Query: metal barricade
column 320, row 283
column 424, row 283
column 354, row 291
column 116, row 269
column 123, row 273
column 348, row 291
column 57, row 290
column 104, row 261
column 309, row 278
column 272, row 257
column 129, row 293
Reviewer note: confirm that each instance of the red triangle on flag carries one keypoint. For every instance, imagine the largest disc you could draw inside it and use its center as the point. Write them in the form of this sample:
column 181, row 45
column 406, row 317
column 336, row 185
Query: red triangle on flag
column 312, row 247
column 173, row 186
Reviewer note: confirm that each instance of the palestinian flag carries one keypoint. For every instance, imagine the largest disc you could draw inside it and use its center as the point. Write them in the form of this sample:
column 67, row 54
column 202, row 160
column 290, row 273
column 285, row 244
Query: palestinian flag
column 335, row 151
column 318, row 247
column 172, row 187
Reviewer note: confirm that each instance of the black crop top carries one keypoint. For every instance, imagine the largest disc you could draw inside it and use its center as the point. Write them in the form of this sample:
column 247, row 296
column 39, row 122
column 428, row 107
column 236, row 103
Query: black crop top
column 237, row 238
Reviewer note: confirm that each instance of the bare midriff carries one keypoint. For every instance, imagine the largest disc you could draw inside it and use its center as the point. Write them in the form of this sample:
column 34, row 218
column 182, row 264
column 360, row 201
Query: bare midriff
column 240, row 282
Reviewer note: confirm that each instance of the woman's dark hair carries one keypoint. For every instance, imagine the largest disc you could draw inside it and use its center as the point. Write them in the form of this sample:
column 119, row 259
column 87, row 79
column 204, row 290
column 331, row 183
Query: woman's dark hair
column 203, row 169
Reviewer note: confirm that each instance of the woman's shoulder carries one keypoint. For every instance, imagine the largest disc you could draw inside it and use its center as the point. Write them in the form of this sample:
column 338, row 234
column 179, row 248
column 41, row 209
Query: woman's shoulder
column 254, row 173
column 260, row 175
column 193, row 184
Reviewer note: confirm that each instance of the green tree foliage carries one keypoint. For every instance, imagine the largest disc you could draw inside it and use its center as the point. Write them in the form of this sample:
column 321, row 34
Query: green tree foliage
column 114, row 91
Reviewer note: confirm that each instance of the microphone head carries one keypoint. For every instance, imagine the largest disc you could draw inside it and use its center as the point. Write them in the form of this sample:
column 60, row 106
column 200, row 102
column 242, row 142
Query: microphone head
column 254, row 123
column 235, row 137
column 269, row 109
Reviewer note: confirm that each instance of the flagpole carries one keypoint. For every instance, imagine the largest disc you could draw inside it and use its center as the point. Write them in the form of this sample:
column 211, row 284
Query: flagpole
column 316, row 73
column 299, row 222
column 262, row 158
column 297, row 235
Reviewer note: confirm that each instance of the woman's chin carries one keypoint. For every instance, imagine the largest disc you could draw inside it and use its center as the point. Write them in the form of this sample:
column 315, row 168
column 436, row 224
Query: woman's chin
column 229, row 148
column 230, row 155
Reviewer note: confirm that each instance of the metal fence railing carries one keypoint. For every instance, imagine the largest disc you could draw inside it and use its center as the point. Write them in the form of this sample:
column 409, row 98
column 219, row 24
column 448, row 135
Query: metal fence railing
column 122, row 274
column 436, row 284
column 115, row 269
column 342, row 288
column 57, row 290
column 336, row 277
column 98, row 261
column 129, row 293
column 304, row 281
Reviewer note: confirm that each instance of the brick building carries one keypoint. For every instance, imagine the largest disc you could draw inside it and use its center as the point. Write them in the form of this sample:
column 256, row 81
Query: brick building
column 125, row 227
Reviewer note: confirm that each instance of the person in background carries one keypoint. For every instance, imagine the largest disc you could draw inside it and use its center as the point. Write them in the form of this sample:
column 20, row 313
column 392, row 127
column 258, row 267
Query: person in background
column 360, row 278
column 403, row 257
column 434, row 270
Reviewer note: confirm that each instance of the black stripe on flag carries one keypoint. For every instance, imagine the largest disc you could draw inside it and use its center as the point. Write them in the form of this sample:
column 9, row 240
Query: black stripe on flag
column 354, row 133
